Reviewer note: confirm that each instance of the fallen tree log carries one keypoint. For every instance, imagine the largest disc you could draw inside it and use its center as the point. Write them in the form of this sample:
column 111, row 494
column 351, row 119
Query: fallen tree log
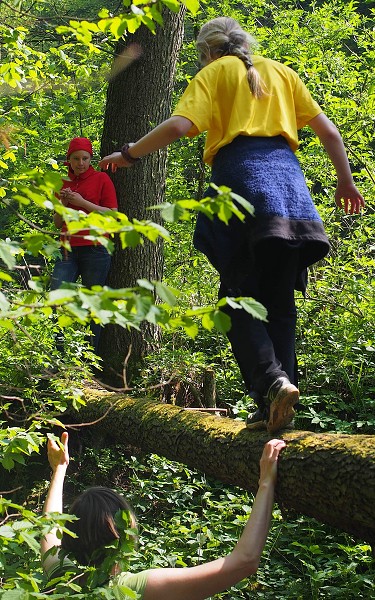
column 330, row 477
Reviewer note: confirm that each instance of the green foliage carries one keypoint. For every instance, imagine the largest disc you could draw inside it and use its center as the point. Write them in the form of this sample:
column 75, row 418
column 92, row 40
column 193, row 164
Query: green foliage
column 125, row 307
column 225, row 205
column 53, row 75
column 186, row 519
column 20, row 531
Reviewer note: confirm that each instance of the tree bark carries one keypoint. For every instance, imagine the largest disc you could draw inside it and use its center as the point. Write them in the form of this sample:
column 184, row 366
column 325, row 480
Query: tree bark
column 139, row 98
column 330, row 477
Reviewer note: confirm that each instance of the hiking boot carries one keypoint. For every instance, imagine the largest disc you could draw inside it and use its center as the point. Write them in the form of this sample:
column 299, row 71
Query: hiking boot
column 281, row 398
column 258, row 419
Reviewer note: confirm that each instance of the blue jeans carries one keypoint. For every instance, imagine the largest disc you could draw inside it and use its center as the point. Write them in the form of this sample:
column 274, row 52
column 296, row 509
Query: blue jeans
column 92, row 263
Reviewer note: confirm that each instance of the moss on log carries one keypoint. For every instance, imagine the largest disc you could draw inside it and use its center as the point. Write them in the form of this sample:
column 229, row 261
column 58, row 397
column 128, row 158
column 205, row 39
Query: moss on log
column 330, row 477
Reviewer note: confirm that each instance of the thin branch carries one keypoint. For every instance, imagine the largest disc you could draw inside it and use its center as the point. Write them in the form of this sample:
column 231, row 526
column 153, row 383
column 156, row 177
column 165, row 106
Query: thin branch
column 33, row 226
column 133, row 389
column 26, row 333
column 10, row 491
column 51, row 591
column 127, row 357
column 324, row 301
column 77, row 425
column 11, row 398
column 10, row 516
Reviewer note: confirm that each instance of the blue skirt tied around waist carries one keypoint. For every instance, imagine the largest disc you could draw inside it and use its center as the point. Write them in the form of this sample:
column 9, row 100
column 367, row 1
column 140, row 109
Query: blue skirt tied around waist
column 266, row 172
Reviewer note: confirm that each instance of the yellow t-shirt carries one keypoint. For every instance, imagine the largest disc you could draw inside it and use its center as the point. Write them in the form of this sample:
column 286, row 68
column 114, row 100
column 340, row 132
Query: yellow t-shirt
column 218, row 100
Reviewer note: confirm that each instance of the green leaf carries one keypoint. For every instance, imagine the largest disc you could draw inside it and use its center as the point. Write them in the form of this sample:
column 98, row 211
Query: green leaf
column 7, row 462
column 130, row 238
column 191, row 5
column 173, row 5
column 8, row 250
column 222, row 321
column 254, row 308
column 244, row 203
column 144, row 283
column 16, row 594
column 165, row 293
column 65, row 321
column 5, row 276
column 229, row 301
column 173, row 212
column 4, row 304
column 30, row 541
column 190, row 327
column 61, row 295
column 208, row 321
column 7, row 532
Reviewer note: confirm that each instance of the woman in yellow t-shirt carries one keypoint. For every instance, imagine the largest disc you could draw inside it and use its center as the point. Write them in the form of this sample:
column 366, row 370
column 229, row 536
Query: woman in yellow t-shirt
column 252, row 108
column 97, row 526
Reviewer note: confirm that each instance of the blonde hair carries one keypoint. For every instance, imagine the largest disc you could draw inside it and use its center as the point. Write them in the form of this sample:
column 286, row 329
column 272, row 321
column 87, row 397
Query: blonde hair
column 224, row 36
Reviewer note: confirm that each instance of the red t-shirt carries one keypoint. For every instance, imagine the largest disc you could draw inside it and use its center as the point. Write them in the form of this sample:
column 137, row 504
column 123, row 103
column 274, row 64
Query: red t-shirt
column 94, row 186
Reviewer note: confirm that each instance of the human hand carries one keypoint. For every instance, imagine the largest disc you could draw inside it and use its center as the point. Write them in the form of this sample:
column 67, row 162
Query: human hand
column 268, row 461
column 349, row 198
column 63, row 196
column 58, row 454
column 115, row 160
column 74, row 198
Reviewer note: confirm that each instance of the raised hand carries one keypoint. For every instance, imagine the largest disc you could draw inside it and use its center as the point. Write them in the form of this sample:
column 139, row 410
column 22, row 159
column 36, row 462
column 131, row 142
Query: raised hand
column 268, row 461
column 58, row 454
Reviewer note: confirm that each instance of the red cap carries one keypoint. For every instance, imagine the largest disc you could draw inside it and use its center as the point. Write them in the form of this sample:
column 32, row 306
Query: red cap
column 79, row 143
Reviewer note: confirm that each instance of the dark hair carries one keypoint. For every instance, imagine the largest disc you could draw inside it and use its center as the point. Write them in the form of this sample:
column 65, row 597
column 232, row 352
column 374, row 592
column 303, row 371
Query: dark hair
column 96, row 527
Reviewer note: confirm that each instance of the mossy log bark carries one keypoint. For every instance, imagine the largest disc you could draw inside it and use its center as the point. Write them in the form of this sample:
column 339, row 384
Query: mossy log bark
column 330, row 477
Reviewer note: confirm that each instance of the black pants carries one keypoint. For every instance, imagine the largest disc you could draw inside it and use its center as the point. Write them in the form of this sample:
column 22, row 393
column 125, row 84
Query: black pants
column 265, row 351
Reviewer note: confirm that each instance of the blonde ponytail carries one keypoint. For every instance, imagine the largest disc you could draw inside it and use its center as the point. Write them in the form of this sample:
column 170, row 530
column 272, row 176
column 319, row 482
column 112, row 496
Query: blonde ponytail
column 224, row 36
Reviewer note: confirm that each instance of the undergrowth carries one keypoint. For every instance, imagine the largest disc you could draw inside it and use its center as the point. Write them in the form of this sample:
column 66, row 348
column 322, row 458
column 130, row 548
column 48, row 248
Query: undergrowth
column 186, row 519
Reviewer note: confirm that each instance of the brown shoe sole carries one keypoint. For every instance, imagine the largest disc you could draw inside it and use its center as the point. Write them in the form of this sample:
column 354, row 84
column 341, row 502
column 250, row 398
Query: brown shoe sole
column 258, row 425
column 281, row 409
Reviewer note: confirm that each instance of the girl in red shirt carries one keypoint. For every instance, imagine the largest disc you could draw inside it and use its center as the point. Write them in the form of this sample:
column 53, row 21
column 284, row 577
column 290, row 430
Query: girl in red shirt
column 87, row 190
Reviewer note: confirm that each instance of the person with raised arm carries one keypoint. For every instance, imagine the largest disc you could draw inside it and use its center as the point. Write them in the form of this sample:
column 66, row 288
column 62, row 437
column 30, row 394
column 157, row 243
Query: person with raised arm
column 96, row 527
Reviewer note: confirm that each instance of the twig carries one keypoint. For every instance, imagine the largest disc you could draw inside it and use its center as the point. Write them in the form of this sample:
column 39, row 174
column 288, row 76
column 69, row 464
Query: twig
column 127, row 357
column 11, row 491
column 9, row 517
column 132, row 389
column 11, row 398
column 75, row 425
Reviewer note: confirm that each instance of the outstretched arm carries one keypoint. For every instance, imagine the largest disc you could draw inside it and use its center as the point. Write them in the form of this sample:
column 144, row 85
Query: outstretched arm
column 332, row 141
column 163, row 135
column 58, row 458
column 203, row 581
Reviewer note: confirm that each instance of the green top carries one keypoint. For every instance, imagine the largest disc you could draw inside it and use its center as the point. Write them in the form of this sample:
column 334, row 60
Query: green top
column 122, row 583
column 135, row 582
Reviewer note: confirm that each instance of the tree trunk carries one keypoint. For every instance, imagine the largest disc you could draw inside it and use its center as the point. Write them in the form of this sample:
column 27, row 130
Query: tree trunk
column 139, row 98
column 330, row 477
